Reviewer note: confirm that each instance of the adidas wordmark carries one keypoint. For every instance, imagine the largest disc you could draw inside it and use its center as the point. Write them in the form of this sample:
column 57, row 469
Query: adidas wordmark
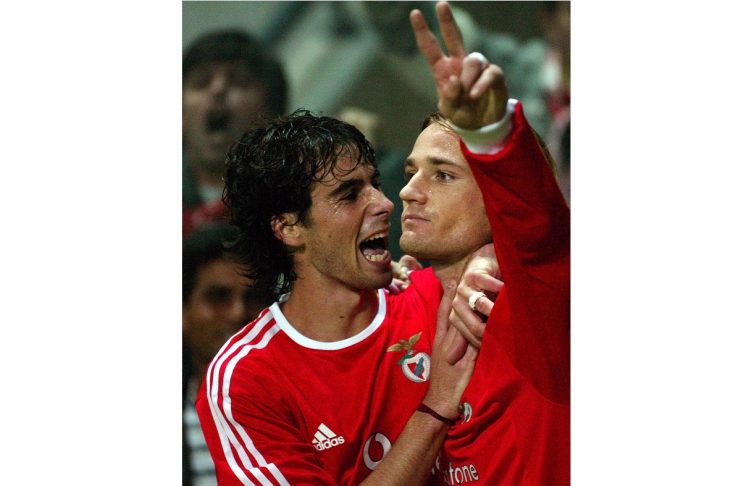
column 324, row 438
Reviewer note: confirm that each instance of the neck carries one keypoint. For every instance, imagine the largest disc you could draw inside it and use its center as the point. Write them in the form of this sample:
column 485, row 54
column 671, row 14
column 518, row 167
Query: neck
column 329, row 313
column 449, row 270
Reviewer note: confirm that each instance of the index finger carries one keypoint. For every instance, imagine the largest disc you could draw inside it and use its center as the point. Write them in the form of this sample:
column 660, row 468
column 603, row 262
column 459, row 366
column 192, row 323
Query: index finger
column 446, row 306
column 457, row 347
column 449, row 29
column 426, row 41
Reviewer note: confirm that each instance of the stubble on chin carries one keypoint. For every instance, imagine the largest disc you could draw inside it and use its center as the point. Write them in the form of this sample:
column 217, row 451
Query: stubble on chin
column 413, row 246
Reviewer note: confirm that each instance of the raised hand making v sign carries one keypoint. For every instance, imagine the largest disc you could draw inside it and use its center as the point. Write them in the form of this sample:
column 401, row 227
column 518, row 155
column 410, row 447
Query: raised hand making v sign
column 471, row 91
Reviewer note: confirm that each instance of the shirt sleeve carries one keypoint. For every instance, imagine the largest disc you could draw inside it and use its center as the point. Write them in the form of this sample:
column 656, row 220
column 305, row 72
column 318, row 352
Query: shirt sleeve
column 530, row 225
column 253, row 439
column 490, row 138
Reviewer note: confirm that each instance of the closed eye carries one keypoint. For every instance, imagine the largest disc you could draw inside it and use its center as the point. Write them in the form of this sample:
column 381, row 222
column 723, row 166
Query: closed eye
column 347, row 190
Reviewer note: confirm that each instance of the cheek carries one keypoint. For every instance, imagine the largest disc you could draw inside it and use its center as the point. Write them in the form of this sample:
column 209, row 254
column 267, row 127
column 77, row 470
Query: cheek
column 201, row 317
column 247, row 101
column 193, row 104
column 204, row 313
column 332, row 245
column 479, row 222
column 192, row 115
column 469, row 212
column 194, row 319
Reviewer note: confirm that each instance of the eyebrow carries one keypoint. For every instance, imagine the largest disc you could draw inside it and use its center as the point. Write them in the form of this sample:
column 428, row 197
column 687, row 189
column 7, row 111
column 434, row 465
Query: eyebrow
column 217, row 288
column 346, row 186
column 354, row 183
column 436, row 161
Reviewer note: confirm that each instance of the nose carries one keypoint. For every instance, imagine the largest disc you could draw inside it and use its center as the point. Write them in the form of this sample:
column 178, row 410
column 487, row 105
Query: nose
column 237, row 311
column 219, row 83
column 412, row 191
column 382, row 204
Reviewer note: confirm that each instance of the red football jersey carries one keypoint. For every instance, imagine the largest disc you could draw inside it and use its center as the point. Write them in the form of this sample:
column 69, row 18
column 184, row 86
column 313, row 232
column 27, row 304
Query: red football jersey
column 279, row 408
column 515, row 426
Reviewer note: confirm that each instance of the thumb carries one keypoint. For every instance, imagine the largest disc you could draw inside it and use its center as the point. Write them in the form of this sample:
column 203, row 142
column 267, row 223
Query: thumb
column 410, row 262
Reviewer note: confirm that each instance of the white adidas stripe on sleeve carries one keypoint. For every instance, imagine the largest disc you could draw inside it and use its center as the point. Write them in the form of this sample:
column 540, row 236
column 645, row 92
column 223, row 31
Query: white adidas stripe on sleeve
column 226, row 425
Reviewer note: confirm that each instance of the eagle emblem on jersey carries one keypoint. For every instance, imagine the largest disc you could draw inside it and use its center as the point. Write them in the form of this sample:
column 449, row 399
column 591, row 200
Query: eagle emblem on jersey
column 414, row 364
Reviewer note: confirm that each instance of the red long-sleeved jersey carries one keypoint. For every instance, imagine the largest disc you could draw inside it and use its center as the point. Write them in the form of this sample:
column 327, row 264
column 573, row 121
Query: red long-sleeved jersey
column 515, row 429
column 279, row 408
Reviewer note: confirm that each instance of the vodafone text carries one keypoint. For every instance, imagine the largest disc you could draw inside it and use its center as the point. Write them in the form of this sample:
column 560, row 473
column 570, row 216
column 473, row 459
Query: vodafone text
column 465, row 473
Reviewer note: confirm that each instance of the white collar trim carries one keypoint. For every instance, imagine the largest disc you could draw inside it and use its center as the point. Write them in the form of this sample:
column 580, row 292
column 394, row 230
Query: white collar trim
column 306, row 342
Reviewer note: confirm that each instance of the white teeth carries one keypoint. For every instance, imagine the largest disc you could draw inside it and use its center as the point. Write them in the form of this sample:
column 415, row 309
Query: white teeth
column 377, row 237
column 377, row 258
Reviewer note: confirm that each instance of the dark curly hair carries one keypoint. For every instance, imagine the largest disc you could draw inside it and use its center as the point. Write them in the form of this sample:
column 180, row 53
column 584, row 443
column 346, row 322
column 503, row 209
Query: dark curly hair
column 271, row 170
column 200, row 248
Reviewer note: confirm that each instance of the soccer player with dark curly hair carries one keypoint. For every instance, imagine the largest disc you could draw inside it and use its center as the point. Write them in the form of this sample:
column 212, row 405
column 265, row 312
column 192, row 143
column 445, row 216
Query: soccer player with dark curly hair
column 318, row 387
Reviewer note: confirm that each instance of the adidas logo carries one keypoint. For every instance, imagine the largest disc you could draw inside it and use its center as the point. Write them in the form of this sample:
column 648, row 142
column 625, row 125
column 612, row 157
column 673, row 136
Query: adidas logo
column 324, row 438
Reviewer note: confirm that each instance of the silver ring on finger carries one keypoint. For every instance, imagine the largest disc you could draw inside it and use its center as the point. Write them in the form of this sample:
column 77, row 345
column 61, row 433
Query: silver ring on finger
column 474, row 299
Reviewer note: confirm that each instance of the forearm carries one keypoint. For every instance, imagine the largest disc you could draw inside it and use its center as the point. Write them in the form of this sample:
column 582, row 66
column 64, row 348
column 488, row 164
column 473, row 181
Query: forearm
column 413, row 455
column 530, row 219
column 411, row 458
column 525, row 206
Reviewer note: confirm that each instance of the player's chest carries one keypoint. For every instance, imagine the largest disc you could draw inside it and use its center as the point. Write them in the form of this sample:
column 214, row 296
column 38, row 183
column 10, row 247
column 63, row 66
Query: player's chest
column 353, row 406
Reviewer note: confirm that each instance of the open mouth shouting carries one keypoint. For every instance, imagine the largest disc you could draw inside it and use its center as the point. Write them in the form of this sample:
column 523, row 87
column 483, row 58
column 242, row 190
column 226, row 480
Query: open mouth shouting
column 218, row 121
column 375, row 248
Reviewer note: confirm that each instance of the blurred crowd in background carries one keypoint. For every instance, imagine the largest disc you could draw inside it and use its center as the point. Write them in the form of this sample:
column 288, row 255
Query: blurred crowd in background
column 248, row 61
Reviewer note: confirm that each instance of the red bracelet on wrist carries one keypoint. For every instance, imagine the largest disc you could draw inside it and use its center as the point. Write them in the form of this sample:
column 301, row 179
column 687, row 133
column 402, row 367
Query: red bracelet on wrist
column 425, row 409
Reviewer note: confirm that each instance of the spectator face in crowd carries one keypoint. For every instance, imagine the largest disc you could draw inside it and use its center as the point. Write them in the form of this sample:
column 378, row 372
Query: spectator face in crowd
column 444, row 219
column 229, row 82
column 217, row 299
column 220, row 99
column 218, row 306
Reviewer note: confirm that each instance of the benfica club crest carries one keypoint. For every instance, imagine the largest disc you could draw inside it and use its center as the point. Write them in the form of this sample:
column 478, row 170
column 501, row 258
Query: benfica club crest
column 414, row 364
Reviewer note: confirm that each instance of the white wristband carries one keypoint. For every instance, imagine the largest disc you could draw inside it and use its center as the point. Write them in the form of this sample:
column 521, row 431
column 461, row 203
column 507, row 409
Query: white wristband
column 489, row 139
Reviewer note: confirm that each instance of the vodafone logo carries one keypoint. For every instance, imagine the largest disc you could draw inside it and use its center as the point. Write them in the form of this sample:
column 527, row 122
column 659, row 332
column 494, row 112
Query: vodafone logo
column 375, row 449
